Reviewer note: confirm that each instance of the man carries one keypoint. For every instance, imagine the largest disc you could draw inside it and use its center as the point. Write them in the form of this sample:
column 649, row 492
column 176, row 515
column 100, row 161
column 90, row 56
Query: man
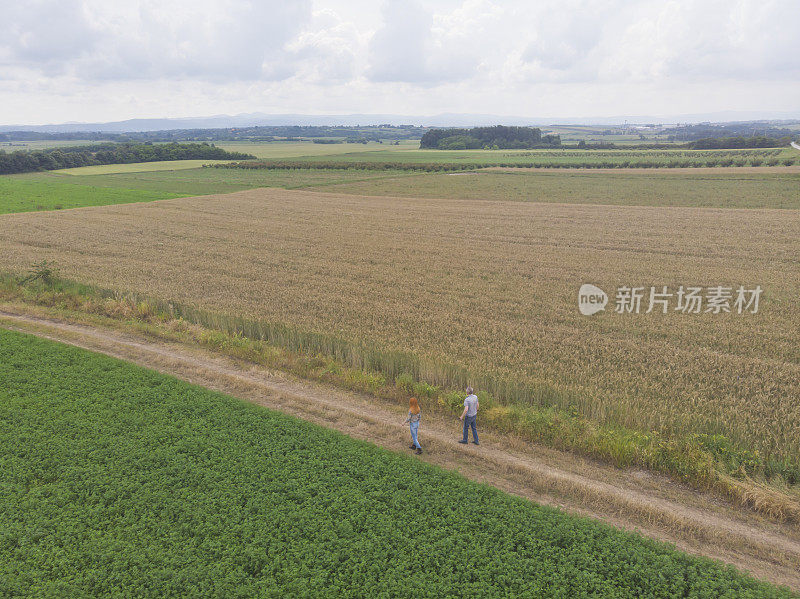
column 469, row 416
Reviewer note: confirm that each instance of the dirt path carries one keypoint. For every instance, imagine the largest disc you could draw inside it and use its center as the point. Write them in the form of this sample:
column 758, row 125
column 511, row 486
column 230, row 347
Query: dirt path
column 654, row 505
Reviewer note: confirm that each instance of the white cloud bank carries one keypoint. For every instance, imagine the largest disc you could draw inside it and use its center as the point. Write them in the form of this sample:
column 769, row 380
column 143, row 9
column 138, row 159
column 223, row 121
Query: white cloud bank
column 95, row 60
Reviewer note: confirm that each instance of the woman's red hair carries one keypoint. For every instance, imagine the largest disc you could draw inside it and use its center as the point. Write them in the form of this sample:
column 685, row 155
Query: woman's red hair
column 413, row 405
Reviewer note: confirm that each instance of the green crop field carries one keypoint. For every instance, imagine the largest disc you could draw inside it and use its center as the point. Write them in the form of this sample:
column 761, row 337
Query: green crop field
column 633, row 188
column 212, row 180
column 26, row 193
column 294, row 149
column 125, row 183
column 49, row 191
column 119, row 481
column 643, row 187
column 618, row 158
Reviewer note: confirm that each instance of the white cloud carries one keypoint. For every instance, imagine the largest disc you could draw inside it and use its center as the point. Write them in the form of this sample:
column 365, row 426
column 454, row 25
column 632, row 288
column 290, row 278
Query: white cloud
column 564, row 40
column 80, row 59
column 416, row 45
column 329, row 50
column 202, row 39
column 45, row 35
column 695, row 40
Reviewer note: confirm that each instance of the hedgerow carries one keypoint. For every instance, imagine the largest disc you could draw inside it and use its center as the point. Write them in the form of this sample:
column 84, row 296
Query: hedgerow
column 544, row 159
column 119, row 481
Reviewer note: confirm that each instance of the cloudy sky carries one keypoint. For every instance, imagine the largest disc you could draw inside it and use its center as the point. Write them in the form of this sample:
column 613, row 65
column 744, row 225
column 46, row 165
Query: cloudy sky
column 102, row 60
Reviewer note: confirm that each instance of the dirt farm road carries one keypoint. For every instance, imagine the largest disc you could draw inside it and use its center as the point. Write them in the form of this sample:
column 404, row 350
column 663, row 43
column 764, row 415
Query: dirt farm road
column 633, row 499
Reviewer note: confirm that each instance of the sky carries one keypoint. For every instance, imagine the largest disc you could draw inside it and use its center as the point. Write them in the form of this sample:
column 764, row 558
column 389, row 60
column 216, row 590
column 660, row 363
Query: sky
column 105, row 60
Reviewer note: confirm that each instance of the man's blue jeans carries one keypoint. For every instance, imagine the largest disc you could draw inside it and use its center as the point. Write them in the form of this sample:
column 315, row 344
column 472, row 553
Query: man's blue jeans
column 414, row 431
column 470, row 423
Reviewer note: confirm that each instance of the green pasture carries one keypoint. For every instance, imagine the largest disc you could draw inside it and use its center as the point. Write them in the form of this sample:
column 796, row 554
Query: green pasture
column 52, row 190
column 31, row 192
column 278, row 150
column 644, row 187
column 564, row 157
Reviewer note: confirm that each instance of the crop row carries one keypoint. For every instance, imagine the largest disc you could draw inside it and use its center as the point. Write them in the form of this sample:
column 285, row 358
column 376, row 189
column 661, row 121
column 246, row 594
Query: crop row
column 620, row 161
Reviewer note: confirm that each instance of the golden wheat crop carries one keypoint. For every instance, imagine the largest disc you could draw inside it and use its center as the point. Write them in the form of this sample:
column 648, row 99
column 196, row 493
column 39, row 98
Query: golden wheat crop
column 480, row 290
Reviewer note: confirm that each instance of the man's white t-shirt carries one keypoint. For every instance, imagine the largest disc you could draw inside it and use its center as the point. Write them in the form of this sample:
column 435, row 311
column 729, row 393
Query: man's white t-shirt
column 471, row 403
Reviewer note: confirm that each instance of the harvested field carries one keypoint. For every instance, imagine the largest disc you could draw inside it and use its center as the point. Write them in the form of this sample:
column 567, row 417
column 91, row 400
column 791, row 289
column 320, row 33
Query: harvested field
column 488, row 286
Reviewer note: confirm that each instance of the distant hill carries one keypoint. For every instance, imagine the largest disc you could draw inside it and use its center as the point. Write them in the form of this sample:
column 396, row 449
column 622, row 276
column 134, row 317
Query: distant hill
column 261, row 133
column 439, row 120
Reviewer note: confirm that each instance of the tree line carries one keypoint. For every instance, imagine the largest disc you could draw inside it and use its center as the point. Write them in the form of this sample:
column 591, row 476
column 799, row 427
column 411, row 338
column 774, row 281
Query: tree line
column 719, row 143
column 498, row 137
column 700, row 131
column 110, row 153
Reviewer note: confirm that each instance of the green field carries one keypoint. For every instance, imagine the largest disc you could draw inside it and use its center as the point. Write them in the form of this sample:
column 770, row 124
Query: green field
column 213, row 180
column 26, row 193
column 49, row 191
column 119, row 481
column 295, row 149
column 125, row 183
column 645, row 188
column 571, row 158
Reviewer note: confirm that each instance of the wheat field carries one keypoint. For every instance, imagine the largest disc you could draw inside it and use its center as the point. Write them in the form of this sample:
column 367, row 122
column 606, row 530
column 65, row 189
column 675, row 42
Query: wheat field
column 487, row 287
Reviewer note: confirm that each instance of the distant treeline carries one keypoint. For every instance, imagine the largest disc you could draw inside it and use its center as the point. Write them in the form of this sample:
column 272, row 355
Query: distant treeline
column 346, row 140
column 709, row 143
column 729, row 130
column 726, row 143
column 498, row 137
column 111, row 153
column 263, row 134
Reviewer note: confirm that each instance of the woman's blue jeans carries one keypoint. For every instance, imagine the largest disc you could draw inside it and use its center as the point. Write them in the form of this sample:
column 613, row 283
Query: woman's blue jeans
column 414, row 431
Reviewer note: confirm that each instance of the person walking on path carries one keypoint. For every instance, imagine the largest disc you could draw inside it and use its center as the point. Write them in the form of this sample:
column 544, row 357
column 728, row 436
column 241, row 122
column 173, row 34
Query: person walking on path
column 413, row 418
column 470, row 416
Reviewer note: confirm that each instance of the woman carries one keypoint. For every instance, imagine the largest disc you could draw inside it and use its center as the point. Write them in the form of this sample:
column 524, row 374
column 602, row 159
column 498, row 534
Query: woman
column 413, row 418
